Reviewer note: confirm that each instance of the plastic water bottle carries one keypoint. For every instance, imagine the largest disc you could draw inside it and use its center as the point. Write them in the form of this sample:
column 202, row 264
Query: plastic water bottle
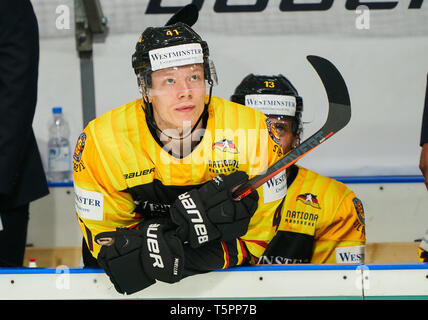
column 59, row 158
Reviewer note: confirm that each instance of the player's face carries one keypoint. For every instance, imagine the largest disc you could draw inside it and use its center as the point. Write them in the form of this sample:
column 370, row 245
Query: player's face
column 284, row 128
column 178, row 96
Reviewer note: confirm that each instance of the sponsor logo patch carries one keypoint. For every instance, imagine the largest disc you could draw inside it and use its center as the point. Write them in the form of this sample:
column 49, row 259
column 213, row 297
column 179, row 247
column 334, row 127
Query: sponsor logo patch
column 359, row 223
column 223, row 166
column 301, row 217
column 309, row 199
column 176, row 56
column 78, row 166
column 272, row 104
column 140, row 173
column 80, row 145
column 153, row 245
column 195, row 215
column 353, row 254
column 225, row 145
column 272, row 131
column 275, row 188
column 359, row 208
column 280, row 260
column 89, row 204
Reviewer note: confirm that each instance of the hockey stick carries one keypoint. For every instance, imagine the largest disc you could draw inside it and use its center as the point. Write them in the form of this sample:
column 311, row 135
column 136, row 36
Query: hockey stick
column 339, row 114
column 188, row 14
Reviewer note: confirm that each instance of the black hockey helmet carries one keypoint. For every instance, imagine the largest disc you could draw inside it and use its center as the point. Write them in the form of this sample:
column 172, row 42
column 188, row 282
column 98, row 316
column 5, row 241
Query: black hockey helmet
column 173, row 45
column 274, row 95
column 145, row 60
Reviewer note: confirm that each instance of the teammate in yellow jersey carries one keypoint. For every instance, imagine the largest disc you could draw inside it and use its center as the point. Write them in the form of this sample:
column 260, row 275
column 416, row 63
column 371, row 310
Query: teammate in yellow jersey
column 423, row 249
column 153, row 177
column 319, row 220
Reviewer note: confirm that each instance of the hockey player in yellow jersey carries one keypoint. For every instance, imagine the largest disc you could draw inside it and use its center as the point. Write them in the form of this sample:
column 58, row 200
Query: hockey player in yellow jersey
column 153, row 178
column 423, row 249
column 320, row 220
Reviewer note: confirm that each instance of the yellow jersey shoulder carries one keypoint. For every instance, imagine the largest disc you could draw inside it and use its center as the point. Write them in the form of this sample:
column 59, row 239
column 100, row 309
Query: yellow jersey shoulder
column 228, row 111
column 313, row 201
column 321, row 186
column 111, row 117
column 100, row 149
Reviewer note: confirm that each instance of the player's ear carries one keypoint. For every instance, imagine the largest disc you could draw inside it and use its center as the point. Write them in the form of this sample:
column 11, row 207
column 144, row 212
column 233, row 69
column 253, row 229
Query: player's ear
column 295, row 142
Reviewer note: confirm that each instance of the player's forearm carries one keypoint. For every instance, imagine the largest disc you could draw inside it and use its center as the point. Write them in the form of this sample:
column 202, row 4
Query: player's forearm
column 213, row 256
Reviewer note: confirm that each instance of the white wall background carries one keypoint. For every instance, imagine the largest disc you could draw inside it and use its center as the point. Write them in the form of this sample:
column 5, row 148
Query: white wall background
column 385, row 68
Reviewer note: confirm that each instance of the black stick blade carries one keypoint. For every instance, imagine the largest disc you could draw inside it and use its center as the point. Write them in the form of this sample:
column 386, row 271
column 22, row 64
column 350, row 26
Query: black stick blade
column 337, row 92
column 188, row 14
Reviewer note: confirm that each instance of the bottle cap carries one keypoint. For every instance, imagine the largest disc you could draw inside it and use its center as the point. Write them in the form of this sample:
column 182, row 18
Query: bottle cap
column 32, row 263
column 57, row 110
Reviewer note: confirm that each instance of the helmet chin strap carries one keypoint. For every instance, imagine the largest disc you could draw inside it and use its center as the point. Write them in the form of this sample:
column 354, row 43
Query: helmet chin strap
column 152, row 123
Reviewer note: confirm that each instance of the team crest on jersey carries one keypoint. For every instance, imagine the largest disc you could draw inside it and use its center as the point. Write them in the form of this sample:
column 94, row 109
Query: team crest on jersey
column 225, row 145
column 79, row 147
column 272, row 131
column 359, row 208
column 309, row 199
column 360, row 224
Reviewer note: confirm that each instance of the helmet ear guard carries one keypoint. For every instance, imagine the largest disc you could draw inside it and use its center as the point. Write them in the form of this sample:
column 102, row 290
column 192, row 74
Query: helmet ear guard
column 212, row 77
column 142, row 87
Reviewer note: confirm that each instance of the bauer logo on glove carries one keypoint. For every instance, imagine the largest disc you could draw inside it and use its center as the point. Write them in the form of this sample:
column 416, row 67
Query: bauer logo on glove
column 195, row 217
column 135, row 258
column 210, row 212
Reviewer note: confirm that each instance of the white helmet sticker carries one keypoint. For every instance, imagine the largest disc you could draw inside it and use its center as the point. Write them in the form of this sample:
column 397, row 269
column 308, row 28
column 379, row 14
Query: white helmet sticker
column 176, row 56
column 271, row 104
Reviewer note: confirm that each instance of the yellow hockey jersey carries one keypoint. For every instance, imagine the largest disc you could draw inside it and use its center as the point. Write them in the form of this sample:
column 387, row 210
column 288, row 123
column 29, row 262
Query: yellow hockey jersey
column 123, row 175
column 423, row 249
column 320, row 220
column 422, row 255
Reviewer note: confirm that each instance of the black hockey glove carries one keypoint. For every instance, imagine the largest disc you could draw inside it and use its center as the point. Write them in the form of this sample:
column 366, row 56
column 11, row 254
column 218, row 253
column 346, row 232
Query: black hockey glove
column 162, row 253
column 120, row 258
column 210, row 212
column 135, row 259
